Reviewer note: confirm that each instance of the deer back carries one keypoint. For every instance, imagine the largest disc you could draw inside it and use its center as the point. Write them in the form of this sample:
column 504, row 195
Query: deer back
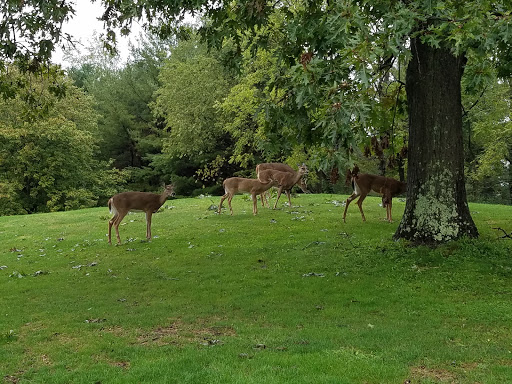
column 137, row 201
column 266, row 175
column 288, row 179
column 397, row 187
column 141, row 201
column 277, row 166
column 233, row 185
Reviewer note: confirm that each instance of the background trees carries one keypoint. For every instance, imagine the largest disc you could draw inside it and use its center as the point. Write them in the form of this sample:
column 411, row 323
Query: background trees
column 488, row 140
column 48, row 162
column 193, row 82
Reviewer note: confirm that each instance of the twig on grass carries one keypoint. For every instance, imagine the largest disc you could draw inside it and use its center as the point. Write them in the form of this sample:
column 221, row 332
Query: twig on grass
column 505, row 234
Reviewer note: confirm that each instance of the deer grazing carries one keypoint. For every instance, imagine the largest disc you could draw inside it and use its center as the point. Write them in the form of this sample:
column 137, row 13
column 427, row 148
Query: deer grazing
column 124, row 202
column 233, row 185
column 364, row 183
column 284, row 180
column 279, row 167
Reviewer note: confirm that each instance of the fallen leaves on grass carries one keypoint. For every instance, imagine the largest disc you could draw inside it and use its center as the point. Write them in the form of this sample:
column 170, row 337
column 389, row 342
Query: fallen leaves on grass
column 17, row 274
column 97, row 320
column 80, row 266
column 337, row 203
column 313, row 274
column 40, row 273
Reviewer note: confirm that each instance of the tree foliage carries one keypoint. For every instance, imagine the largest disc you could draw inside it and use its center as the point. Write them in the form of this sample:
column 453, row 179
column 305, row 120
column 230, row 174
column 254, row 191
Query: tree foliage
column 50, row 163
column 192, row 83
column 30, row 30
column 130, row 134
column 489, row 142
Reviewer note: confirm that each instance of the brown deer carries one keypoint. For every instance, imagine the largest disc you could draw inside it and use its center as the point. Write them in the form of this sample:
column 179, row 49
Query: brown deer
column 233, row 185
column 124, row 202
column 364, row 183
column 284, row 180
column 279, row 167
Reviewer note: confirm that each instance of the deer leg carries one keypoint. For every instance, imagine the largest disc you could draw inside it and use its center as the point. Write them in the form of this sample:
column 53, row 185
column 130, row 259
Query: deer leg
column 120, row 217
column 221, row 201
column 360, row 205
column 110, row 223
column 289, row 199
column 230, row 197
column 268, row 195
column 349, row 200
column 263, row 198
column 279, row 191
column 390, row 204
column 148, row 225
column 254, row 204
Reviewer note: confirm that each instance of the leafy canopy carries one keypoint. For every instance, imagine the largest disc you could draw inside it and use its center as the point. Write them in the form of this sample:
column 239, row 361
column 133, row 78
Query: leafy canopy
column 50, row 163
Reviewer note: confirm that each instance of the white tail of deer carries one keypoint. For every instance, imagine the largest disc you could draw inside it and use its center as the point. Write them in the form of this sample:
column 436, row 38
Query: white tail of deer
column 233, row 185
column 364, row 183
column 124, row 202
column 284, row 180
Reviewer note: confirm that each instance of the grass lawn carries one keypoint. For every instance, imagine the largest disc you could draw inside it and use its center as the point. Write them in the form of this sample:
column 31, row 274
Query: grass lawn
column 292, row 295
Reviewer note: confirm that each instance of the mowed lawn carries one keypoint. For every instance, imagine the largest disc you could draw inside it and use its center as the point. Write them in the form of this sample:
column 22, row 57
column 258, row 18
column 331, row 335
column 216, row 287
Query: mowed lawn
column 292, row 295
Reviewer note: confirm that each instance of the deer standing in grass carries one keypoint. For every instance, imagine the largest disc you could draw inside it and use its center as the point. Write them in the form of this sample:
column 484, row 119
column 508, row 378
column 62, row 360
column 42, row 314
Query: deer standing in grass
column 279, row 167
column 364, row 183
column 284, row 180
column 147, row 202
column 233, row 185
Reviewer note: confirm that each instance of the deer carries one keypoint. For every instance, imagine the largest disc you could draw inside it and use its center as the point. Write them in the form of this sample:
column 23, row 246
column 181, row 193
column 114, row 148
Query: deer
column 284, row 180
column 125, row 202
column 279, row 167
column 255, row 187
column 364, row 183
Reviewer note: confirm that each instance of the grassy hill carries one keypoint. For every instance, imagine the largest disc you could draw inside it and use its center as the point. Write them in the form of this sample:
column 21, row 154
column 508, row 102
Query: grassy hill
column 289, row 296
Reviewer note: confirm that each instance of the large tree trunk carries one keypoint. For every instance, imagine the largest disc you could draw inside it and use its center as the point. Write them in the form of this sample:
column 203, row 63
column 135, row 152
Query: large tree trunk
column 509, row 159
column 436, row 210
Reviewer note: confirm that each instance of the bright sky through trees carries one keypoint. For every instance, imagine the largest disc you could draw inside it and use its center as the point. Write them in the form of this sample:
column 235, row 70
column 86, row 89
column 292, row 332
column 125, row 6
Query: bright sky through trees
column 85, row 24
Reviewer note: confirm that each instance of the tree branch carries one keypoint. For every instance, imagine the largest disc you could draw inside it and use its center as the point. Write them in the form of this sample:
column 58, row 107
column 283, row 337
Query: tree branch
column 506, row 235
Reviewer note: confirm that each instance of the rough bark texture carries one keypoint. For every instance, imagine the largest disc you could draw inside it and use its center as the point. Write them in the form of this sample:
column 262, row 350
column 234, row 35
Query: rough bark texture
column 509, row 159
column 436, row 210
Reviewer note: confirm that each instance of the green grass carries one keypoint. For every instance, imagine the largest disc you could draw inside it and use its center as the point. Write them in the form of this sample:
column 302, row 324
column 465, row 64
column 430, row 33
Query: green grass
column 289, row 296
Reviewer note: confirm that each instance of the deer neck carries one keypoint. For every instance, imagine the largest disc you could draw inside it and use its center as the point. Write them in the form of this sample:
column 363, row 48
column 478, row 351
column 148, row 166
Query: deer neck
column 163, row 197
column 298, row 176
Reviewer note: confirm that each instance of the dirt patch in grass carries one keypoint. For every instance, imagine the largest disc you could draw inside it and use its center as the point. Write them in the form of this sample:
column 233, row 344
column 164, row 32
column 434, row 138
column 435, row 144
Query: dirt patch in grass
column 439, row 375
column 12, row 379
column 179, row 333
column 121, row 364
column 113, row 363
column 46, row 360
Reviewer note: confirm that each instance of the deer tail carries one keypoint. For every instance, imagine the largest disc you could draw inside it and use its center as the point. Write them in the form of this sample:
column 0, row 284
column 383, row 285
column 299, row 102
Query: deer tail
column 111, row 206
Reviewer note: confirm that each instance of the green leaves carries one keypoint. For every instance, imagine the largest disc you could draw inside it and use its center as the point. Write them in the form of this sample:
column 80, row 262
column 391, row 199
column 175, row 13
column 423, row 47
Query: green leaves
column 192, row 82
column 49, row 162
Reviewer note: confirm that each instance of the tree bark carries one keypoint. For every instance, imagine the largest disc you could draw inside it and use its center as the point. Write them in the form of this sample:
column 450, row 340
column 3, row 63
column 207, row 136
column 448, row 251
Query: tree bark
column 436, row 210
column 509, row 159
